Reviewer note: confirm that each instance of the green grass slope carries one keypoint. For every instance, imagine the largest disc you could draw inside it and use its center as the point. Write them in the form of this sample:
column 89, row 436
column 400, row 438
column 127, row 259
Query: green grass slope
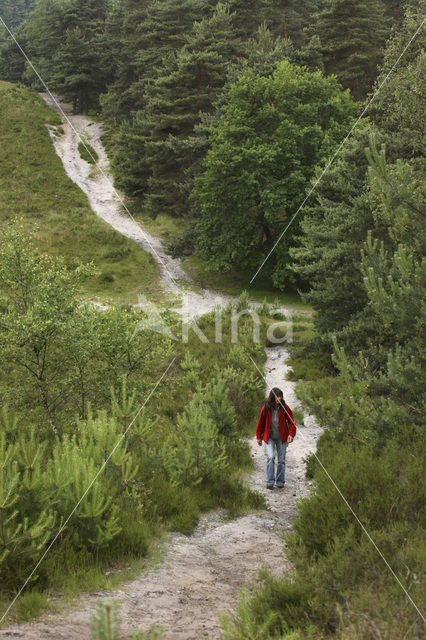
column 34, row 186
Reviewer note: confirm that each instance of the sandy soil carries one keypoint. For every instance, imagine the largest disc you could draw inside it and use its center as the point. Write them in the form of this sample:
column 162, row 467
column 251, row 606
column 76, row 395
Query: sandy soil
column 200, row 574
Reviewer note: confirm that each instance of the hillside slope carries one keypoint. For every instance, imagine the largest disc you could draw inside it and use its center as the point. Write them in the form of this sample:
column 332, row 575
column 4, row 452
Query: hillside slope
column 34, row 186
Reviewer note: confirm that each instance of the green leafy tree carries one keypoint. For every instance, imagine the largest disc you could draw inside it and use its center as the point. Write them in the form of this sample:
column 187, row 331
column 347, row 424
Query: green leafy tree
column 61, row 355
column 259, row 54
column 40, row 298
column 274, row 132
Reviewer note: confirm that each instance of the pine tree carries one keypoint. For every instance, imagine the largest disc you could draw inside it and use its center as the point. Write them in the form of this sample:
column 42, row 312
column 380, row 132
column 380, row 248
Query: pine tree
column 260, row 54
column 248, row 16
column 394, row 9
column 175, row 108
column 290, row 19
column 45, row 31
column 263, row 51
column 333, row 232
column 399, row 109
column 24, row 534
column 12, row 62
column 65, row 40
column 122, row 39
column 14, row 12
column 77, row 74
column 352, row 35
column 105, row 623
column 199, row 451
column 153, row 31
column 175, row 102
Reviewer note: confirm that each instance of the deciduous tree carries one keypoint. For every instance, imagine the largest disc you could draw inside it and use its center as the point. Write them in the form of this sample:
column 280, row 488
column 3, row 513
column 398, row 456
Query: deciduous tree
column 274, row 132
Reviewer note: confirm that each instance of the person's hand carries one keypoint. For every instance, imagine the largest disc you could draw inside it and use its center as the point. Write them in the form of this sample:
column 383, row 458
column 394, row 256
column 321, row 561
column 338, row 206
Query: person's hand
column 259, row 442
column 290, row 439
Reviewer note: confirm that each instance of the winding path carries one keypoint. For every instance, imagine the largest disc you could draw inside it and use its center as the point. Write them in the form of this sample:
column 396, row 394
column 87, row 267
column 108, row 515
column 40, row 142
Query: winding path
column 200, row 574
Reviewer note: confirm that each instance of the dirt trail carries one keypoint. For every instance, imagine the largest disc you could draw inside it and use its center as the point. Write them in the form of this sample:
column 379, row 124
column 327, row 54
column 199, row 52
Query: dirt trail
column 200, row 574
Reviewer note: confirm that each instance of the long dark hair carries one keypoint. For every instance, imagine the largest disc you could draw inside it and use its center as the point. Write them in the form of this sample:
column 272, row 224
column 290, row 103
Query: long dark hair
column 274, row 393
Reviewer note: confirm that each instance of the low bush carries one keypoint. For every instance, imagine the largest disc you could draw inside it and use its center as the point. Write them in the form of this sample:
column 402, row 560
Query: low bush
column 182, row 244
column 87, row 152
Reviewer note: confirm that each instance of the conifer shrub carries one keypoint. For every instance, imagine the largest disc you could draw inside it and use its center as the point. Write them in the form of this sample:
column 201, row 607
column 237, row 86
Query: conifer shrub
column 195, row 452
column 182, row 244
column 182, row 455
column 24, row 534
column 105, row 622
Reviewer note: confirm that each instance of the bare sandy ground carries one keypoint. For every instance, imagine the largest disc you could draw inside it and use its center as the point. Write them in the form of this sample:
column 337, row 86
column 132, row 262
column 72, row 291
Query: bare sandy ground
column 200, row 574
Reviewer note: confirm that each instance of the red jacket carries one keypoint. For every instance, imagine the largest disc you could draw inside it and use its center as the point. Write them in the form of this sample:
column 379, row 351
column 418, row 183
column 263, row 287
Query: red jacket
column 285, row 431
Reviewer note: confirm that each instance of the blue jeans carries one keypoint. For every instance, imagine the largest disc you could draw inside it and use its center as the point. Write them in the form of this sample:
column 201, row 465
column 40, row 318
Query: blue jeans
column 279, row 479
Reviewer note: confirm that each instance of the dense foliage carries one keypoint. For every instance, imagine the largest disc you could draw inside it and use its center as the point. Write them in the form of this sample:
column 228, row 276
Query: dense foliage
column 363, row 252
column 73, row 382
column 273, row 133
column 164, row 73
column 224, row 113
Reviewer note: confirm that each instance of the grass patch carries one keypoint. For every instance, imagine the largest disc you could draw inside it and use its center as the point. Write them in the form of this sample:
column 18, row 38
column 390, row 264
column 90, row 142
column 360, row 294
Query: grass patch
column 30, row 605
column 87, row 152
column 234, row 282
column 164, row 226
column 34, row 186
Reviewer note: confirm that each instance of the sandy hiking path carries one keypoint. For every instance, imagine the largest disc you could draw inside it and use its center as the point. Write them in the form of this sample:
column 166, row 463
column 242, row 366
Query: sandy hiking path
column 200, row 575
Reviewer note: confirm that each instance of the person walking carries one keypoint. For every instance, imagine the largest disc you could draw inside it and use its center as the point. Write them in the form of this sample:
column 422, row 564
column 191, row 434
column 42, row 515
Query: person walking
column 276, row 428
